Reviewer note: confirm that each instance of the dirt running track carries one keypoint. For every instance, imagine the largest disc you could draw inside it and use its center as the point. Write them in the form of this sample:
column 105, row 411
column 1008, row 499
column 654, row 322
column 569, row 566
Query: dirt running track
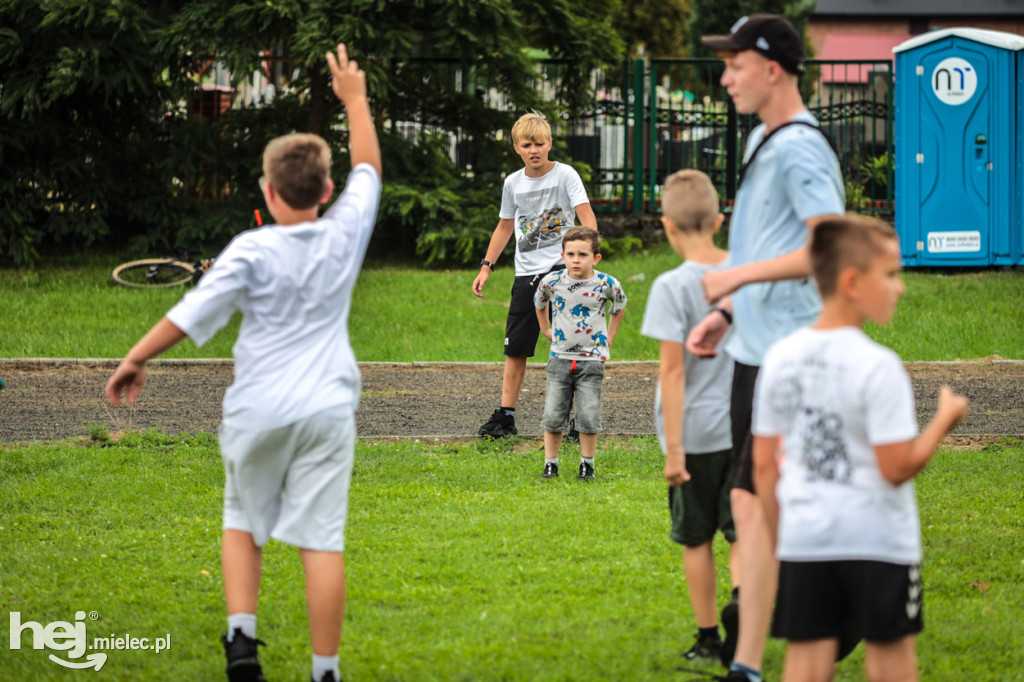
column 52, row 399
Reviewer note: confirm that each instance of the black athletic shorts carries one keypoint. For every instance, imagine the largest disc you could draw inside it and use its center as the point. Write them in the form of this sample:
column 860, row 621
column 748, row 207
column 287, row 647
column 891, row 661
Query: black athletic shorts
column 521, row 328
column 871, row 600
column 700, row 507
column 741, row 409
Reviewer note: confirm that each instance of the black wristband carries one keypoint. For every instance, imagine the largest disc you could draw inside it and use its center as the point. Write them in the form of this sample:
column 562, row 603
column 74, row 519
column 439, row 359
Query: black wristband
column 488, row 264
column 725, row 313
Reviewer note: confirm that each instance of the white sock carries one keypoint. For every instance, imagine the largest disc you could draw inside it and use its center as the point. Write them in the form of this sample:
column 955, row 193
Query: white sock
column 552, row 461
column 321, row 664
column 588, row 461
column 245, row 621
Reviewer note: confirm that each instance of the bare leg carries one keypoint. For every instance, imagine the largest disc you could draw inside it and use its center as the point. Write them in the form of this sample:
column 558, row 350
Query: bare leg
column 325, row 598
column 699, row 568
column 552, row 441
column 760, row 574
column 894, row 661
column 588, row 445
column 241, row 563
column 734, row 563
column 512, row 380
column 810, row 661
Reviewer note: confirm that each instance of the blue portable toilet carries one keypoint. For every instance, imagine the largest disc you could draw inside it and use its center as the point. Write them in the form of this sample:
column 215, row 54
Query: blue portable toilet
column 960, row 148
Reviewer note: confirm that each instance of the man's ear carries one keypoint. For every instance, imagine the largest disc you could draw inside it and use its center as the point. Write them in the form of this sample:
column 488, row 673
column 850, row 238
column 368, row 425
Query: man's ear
column 719, row 219
column 327, row 192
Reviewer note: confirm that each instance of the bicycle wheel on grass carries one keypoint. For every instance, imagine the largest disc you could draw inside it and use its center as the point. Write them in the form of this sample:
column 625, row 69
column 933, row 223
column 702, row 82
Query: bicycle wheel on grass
column 153, row 273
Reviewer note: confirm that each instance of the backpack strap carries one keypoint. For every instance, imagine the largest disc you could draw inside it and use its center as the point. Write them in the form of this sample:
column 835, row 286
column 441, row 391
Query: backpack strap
column 743, row 171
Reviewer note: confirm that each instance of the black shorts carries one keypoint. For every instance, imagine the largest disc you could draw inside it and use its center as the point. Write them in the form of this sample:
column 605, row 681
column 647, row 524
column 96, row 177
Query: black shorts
column 872, row 600
column 741, row 408
column 521, row 328
column 701, row 506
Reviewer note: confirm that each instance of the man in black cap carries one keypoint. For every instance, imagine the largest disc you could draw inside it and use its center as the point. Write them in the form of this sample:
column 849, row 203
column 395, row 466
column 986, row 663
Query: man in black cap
column 790, row 182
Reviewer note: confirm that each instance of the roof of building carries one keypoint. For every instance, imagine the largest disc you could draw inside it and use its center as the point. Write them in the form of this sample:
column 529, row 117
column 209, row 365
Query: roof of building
column 909, row 8
column 1008, row 41
column 850, row 46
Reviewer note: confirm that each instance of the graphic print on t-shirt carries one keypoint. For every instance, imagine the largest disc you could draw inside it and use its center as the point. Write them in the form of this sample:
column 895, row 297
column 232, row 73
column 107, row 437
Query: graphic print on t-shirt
column 540, row 219
column 579, row 313
column 824, row 450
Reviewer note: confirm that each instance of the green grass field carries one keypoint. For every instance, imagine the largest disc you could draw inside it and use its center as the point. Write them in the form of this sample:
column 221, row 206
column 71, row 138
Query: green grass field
column 401, row 314
column 463, row 564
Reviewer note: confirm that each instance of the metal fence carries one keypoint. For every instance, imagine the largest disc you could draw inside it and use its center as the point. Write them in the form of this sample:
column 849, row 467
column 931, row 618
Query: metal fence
column 675, row 114
column 647, row 120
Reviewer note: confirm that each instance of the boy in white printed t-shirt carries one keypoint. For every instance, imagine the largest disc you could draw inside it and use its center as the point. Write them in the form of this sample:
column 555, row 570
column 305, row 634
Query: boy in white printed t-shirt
column 835, row 450
column 692, row 401
column 288, row 433
column 538, row 203
column 586, row 309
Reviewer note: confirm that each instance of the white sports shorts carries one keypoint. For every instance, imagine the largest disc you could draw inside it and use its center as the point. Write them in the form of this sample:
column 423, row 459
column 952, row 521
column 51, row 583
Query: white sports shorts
column 291, row 483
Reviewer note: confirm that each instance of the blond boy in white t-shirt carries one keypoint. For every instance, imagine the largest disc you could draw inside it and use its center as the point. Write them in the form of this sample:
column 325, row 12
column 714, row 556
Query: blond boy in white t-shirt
column 538, row 203
column 288, row 433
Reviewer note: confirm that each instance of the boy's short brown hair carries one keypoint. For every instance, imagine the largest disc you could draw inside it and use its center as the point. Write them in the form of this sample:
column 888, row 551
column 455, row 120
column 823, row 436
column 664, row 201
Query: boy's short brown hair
column 298, row 166
column 532, row 126
column 582, row 233
column 847, row 241
column 690, row 201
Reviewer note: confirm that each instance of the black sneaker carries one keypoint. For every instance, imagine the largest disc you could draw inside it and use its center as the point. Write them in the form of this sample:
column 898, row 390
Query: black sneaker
column 499, row 425
column 243, row 658
column 731, row 624
column 733, row 676
column 704, row 649
column 550, row 470
column 328, row 677
column 572, row 435
column 586, row 472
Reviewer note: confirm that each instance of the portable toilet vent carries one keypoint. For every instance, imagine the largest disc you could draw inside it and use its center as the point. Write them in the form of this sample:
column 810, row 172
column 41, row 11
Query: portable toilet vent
column 960, row 148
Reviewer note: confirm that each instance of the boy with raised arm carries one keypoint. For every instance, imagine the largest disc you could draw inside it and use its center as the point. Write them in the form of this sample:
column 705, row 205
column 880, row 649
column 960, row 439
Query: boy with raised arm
column 836, row 447
column 288, row 433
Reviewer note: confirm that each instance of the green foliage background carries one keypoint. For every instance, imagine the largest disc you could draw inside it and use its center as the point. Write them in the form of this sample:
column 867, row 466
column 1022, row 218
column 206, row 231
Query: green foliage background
column 101, row 142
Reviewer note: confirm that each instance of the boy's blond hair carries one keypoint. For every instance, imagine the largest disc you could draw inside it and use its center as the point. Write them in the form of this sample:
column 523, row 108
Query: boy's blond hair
column 298, row 166
column 690, row 201
column 847, row 241
column 532, row 126
column 582, row 233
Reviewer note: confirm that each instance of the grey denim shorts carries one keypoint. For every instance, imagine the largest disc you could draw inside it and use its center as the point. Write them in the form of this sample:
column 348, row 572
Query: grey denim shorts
column 563, row 380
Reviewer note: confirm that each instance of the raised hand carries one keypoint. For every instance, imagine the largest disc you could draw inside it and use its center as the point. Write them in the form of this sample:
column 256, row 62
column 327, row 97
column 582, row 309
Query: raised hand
column 347, row 80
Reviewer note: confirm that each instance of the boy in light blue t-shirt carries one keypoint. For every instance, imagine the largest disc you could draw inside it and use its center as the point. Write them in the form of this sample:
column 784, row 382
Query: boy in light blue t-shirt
column 586, row 311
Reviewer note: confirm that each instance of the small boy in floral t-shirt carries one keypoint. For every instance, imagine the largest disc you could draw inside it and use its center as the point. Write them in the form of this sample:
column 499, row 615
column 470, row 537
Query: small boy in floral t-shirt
column 586, row 309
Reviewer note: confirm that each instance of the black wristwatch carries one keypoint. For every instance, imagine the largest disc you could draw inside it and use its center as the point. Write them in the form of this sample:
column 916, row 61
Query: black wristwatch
column 725, row 313
column 488, row 264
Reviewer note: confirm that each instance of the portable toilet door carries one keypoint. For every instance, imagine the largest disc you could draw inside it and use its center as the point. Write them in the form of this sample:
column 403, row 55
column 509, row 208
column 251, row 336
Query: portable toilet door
column 956, row 134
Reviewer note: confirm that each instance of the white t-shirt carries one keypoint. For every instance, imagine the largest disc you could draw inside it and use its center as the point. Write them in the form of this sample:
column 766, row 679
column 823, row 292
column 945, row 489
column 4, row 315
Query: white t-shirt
column 540, row 209
column 579, row 313
column 674, row 306
column 293, row 285
column 795, row 176
column 833, row 395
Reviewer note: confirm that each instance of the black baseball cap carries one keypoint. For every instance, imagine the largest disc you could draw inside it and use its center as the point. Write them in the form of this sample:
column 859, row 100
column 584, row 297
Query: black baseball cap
column 770, row 35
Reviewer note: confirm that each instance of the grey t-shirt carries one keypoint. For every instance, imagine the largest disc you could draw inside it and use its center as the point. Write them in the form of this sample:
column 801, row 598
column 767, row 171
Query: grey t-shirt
column 675, row 305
